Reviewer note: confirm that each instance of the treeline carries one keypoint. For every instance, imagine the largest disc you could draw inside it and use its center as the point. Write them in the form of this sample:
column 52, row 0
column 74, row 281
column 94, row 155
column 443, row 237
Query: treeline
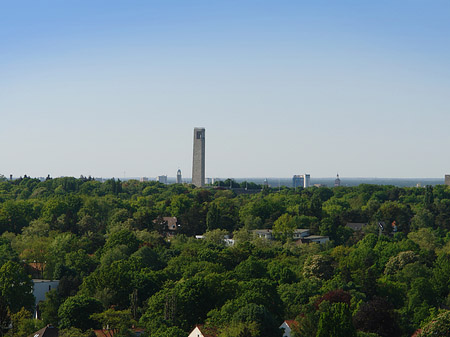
column 120, row 266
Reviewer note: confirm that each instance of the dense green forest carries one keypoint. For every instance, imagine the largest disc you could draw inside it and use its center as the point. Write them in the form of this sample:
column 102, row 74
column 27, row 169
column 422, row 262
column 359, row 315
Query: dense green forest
column 119, row 267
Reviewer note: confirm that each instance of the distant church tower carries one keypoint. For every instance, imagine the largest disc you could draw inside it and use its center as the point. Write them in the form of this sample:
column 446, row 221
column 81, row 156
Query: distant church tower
column 198, row 160
column 337, row 182
column 179, row 176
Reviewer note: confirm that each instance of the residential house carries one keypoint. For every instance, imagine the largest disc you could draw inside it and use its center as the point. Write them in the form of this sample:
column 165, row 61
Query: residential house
column 48, row 331
column 263, row 233
column 315, row 238
column 202, row 331
column 301, row 235
column 171, row 224
column 114, row 332
column 287, row 327
column 40, row 288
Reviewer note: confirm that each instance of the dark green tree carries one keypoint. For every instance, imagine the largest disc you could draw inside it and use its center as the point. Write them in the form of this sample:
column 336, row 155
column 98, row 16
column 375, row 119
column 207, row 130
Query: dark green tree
column 16, row 286
column 76, row 312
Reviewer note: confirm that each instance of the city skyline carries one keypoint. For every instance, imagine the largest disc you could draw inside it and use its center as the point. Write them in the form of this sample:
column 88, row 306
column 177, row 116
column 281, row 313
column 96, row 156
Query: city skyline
column 283, row 88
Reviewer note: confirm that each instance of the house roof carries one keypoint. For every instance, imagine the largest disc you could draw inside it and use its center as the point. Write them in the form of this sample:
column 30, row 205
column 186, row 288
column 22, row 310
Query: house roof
column 315, row 237
column 301, row 230
column 48, row 331
column 104, row 333
column 291, row 322
column 262, row 231
column 171, row 221
column 207, row 331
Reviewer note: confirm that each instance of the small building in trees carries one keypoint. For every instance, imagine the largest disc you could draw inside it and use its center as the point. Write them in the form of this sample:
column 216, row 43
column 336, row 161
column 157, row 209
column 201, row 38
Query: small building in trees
column 287, row 327
column 40, row 288
column 263, row 233
column 48, row 331
column 166, row 224
column 202, row 331
column 315, row 238
column 297, row 234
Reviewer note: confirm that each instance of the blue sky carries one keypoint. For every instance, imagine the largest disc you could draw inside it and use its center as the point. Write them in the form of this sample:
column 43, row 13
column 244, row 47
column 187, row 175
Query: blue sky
column 282, row 87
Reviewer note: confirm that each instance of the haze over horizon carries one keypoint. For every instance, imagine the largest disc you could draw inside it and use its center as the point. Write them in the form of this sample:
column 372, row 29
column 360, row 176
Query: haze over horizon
column 106, row 87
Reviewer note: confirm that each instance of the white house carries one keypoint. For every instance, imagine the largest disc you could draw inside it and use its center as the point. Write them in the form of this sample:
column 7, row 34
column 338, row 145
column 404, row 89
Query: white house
column 316, row 238
column 287, row 326
column 200, row 331
column 40, row 288
column 263, row 233
column 300, row 233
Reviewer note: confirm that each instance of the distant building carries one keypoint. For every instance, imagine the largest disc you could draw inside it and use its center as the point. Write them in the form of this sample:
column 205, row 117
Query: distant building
column 315, row 238
column 179, row 176
column 297, row 181
column 301, row 235
column 447, row 179
column 306, row 180
column 202, row 331
column 144, row 179
column 198, row 159
column 170, row 223
column 208, row 181
column 162, row 179
column 113, row 332
column 320, row 185
column 40, row 288
column 48, row 331
column 263, row 233
column 287, row 327
column 337, row 182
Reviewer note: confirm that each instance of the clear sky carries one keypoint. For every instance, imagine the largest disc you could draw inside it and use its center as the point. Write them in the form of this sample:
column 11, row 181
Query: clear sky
column 107, row 87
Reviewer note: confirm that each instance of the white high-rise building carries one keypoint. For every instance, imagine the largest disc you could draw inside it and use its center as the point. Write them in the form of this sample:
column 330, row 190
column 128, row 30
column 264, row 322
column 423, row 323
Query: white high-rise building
column 306, row 180
column 179, row 176
column 162, row 179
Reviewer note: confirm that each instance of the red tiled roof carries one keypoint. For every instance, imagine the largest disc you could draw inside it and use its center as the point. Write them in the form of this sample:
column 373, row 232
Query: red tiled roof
column 291, row 322
column 104, row 333
column 112, row 332
column 207, row 331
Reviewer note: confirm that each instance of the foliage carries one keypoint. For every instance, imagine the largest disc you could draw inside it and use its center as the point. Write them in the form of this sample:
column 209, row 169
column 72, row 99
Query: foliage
column 335, row 320
column 16, row 286
column 377, row 316
column 440, row 326
column 76, row 312
column 109, row 247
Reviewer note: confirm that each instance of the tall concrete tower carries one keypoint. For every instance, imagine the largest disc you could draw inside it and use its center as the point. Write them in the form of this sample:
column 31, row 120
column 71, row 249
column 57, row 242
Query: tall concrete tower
column 198, row 160
column 179, row 176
